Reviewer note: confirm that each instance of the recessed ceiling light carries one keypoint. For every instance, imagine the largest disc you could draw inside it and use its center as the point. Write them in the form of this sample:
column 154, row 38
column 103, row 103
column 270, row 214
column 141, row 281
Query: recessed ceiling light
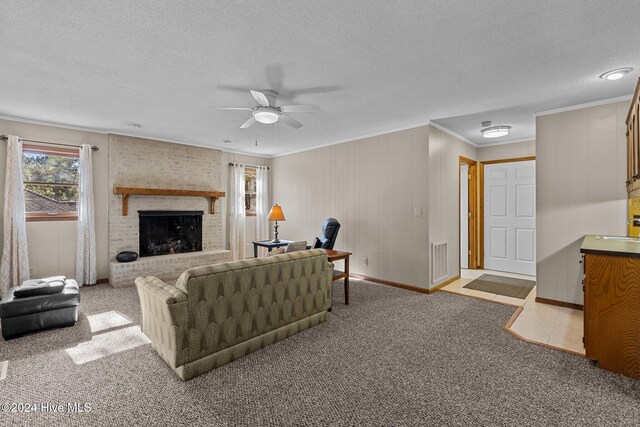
column 266, row 115
column 616, row 74
column 496, row 131
column 134, row 125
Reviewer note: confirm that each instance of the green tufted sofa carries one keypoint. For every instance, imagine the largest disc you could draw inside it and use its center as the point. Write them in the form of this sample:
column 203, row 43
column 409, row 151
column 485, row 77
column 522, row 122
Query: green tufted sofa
column 218, row 313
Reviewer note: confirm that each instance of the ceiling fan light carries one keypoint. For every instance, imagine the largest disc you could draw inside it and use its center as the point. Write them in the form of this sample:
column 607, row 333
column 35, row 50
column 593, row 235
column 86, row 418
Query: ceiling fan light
column 266, row 117
column 495, row 131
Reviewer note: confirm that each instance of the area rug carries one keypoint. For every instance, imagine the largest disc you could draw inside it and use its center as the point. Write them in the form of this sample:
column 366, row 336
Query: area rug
column 392, row 357
column 500, row 285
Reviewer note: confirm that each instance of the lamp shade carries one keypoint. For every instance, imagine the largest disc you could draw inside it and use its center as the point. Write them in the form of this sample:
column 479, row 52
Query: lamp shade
column 276, row 214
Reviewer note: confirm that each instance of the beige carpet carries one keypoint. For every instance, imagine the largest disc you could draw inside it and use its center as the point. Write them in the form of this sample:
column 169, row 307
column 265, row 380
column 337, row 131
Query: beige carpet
column 392, row 357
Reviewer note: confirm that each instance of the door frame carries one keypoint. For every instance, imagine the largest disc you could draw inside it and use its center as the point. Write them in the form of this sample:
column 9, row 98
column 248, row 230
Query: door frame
column 481, row 201
column 472, row 179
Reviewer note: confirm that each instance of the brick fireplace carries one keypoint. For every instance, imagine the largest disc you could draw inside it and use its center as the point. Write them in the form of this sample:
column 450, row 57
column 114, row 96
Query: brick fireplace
column 136, row 162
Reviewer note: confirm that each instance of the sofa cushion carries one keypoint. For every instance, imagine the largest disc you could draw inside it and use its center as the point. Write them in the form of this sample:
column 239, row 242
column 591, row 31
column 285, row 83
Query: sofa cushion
column 33, row 287
column 11, row 306
column 296, row 246
column 277, row 251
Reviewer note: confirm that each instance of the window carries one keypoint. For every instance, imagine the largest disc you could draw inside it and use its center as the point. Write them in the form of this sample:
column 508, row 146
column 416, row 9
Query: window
column 50, row 177
column 250, row 191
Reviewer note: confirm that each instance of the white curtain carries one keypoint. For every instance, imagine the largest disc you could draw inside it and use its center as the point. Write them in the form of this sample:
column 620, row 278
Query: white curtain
column 14, row 266
column 86, row 248
column 262, row 203
column 237, row 212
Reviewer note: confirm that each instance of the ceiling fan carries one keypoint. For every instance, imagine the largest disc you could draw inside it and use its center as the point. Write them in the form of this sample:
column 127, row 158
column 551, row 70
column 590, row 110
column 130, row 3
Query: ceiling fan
column 267, row 112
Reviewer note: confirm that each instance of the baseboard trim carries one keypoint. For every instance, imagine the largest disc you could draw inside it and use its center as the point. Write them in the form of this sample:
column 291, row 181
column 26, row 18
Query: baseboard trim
column 390, row 283
column 404, row 285
column 559, row 303
column 439, row 286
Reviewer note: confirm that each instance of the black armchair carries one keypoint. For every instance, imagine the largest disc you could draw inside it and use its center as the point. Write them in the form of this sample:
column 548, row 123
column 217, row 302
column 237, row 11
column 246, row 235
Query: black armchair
column 330, row 228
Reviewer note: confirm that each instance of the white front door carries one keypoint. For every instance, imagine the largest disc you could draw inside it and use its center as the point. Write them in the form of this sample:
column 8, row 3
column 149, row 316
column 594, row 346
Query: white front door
column 510, row 217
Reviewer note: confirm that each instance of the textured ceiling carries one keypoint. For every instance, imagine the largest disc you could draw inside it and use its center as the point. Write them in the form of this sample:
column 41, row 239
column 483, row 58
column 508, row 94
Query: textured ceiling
column 372, row 66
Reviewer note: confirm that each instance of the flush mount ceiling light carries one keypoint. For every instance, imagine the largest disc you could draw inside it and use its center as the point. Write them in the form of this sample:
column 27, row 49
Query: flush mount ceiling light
column 266, row 115
column 227, row 141
column 495, row 131
column 616, row 74
column 134, row 125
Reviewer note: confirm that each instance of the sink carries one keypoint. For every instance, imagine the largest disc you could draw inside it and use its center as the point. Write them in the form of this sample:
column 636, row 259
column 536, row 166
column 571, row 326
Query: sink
column 620, row 238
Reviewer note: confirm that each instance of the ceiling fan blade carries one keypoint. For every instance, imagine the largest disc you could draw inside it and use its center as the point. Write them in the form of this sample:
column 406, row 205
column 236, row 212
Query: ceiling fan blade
column 233, row 108
column 290, row 121
column 260, row 98
column 300, row 108
column 248, row 123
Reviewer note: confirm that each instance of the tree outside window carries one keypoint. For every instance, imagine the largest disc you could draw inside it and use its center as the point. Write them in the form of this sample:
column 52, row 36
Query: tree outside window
column 50, row 177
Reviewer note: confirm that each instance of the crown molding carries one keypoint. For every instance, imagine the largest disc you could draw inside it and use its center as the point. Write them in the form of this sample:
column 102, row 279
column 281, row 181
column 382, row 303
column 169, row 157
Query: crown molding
column 455, row 135
column 53, row 125
column 584, row 105
column 244, row 153
column 353, row 139
column 102, row 131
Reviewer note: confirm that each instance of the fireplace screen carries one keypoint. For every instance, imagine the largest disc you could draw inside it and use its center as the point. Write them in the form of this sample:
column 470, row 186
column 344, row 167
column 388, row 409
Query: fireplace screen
column 170, row 232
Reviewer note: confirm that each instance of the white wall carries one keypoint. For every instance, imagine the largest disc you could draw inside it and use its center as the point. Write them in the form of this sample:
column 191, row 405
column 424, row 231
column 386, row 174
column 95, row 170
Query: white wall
column 444, row 201
column 52, row 244
column 580, row 179
column 372, row 186
column 250, row 222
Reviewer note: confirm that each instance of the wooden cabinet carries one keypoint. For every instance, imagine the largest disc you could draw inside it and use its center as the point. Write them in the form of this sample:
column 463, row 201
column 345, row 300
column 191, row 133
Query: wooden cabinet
column 612, row 312
column 633, row 142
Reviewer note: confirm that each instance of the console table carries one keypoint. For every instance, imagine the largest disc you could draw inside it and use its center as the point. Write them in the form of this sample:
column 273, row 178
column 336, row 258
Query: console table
column 269, row 244
column 337, row 274
column 331, row 255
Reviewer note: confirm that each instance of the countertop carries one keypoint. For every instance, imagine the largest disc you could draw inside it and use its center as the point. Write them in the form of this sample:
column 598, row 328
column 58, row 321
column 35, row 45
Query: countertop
column 597, row 245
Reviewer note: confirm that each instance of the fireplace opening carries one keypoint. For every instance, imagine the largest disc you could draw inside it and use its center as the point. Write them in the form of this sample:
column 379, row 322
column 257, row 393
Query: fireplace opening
column 170, row 232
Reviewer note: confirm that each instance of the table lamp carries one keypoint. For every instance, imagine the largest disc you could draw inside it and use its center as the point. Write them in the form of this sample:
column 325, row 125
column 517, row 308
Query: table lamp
column 276, row 214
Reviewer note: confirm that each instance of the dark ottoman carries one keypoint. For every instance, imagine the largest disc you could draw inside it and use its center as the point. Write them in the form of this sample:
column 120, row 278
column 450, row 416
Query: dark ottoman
column 21, row 315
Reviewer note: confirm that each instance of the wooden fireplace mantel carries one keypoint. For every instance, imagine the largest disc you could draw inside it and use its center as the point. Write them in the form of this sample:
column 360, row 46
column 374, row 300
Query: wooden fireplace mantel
column 131, row 191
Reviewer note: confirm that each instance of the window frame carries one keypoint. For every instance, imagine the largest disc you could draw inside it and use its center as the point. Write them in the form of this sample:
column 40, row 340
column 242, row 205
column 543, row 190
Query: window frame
column 250, row 171
column 50, row 151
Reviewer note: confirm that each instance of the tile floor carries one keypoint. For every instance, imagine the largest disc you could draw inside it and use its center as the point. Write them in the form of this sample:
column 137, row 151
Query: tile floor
column 540, row 323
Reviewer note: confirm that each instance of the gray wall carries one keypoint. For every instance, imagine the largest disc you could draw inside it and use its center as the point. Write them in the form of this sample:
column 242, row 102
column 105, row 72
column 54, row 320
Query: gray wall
column 507, row 151
column 372, row 186
column 444, row 201
column 580, row 180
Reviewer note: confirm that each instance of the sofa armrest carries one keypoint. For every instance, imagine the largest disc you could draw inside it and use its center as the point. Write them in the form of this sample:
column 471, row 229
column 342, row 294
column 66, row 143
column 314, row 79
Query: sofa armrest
column 164, row 318
column 168, row 294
